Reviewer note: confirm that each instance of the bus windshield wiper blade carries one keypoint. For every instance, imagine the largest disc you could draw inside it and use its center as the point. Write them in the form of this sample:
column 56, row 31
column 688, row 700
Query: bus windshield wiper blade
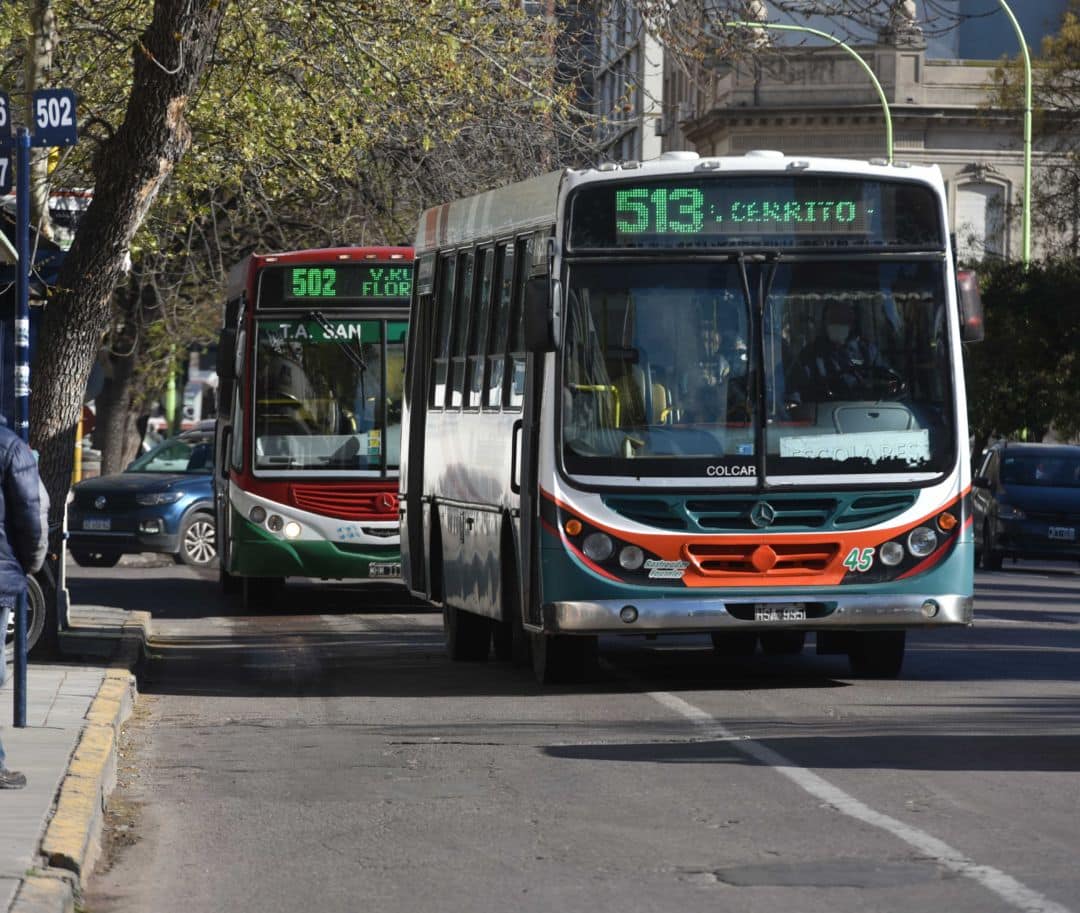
column 354, row 355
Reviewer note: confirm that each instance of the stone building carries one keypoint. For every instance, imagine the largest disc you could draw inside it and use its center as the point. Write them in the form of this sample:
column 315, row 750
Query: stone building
column 815, row 99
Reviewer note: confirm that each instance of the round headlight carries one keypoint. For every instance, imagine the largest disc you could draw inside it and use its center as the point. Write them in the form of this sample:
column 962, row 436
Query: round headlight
column 921, row 541
column 257, row 514
column 891, row 553
column 598, row 546
column 292, row 529
column 631, row 558
column 275, row 523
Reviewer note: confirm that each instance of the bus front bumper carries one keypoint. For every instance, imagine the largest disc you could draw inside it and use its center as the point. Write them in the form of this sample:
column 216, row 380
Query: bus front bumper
column 699, row 615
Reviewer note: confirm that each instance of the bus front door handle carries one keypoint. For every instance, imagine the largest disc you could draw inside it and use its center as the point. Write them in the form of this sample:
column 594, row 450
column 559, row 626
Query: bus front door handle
column 515, row 476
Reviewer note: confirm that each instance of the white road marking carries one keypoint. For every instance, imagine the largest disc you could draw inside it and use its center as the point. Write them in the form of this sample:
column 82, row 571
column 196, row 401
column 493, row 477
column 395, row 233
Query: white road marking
column 1005, row 886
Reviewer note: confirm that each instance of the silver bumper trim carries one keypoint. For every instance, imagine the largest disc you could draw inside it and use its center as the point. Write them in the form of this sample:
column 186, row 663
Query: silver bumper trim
column 705, row 614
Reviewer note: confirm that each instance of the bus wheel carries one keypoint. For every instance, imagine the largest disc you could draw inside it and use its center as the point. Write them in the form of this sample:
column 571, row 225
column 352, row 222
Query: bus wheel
column 468, row 636
column 258, row 592
column 877, row 654
column 782, row 643
column 564, row 658
column 734, row 643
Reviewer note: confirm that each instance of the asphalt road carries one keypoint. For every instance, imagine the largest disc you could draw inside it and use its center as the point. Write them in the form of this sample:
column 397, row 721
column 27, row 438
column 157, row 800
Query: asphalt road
column 327, row 757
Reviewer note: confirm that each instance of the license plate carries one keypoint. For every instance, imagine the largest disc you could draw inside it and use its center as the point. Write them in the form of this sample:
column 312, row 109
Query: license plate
column 385, row 569
column 100, row 524
column 1062, row 532
column 779, row 612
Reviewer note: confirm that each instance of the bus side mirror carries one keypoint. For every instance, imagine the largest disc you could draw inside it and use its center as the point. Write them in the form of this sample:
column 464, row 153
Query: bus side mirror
column 972, row 327
column 537, row 316
column 226, row 355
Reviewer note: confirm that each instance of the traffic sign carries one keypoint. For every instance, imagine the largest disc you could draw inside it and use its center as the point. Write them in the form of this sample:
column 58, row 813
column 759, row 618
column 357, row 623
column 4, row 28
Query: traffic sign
column 5, row 120
column 5, row 171
column 54, row 118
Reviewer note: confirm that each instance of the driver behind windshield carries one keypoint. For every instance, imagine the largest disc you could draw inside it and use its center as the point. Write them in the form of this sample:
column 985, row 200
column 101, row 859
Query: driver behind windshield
column 839, row 363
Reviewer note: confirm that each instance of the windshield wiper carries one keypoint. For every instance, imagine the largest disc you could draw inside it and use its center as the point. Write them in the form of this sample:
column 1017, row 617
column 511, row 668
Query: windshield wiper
column 355, row 356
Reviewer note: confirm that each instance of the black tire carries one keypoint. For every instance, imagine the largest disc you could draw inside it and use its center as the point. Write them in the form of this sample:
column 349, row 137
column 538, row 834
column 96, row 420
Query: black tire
column 36, row 617
column 93, row 558
column 734, row 643
column 992, row 558
column 258, row 594
column 877, row 654
column 468, row 636
column 230, row 584
column 198, row 540
column 782, row 643
column 564, row 658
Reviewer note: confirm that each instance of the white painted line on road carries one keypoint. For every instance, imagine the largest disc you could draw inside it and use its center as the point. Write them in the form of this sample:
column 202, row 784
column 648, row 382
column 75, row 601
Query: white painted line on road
column 1005, row 886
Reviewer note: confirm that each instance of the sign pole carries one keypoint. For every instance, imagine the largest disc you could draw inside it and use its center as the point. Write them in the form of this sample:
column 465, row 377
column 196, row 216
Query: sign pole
column 22, row 375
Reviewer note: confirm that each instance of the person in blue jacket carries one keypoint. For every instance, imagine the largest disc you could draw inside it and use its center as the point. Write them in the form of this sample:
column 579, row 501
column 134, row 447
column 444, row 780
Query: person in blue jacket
column 24, row 539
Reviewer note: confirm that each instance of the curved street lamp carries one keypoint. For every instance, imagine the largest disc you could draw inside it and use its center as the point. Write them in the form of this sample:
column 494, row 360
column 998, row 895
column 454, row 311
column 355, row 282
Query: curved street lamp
column 1026, row 214
column 855, row 55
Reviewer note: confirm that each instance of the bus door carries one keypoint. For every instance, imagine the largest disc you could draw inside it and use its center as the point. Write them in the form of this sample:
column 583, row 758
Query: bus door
column 414, row 554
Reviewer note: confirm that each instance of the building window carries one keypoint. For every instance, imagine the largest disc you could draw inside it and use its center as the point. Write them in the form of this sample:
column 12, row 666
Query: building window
column 980, row 220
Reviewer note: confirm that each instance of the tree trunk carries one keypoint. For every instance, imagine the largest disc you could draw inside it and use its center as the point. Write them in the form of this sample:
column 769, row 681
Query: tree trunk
column 39, row 61
column 130, row 168
column 115, row 433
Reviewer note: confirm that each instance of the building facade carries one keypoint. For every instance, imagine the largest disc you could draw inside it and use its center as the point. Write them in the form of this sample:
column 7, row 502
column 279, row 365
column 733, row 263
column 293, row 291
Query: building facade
column 815, row 99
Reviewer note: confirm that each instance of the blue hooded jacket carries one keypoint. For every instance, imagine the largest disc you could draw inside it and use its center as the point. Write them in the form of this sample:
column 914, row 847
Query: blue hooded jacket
column 24, row 508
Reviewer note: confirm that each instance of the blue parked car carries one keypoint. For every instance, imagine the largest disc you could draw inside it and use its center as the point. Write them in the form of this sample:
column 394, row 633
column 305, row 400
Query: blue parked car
column 163, row 502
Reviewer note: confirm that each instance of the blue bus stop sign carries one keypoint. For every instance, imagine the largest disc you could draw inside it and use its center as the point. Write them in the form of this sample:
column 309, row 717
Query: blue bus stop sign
column 54, row 118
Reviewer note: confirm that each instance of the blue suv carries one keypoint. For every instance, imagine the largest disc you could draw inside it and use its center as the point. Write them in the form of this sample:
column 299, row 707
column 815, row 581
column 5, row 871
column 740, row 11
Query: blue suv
column 163, row 502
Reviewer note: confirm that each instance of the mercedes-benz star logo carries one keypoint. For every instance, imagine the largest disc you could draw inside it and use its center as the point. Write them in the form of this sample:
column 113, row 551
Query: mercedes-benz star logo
column 387, row 503
column 99, row 502
column 762, row 514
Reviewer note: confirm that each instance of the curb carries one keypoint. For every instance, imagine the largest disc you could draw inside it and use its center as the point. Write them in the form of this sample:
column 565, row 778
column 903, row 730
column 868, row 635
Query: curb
column 72, row 840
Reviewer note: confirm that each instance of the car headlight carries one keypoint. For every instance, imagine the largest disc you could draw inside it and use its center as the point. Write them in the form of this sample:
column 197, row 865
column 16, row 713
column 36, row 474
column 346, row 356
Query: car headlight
column 154, row 498
column 1008, row 512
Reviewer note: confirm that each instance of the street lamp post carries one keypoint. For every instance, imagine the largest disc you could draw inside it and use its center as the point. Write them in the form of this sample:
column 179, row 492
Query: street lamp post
column 854, row 54
column 1026, row 214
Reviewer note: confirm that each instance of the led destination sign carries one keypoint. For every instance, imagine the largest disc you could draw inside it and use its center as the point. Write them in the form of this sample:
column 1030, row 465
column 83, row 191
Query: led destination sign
column 341, row 283
column 737, row 210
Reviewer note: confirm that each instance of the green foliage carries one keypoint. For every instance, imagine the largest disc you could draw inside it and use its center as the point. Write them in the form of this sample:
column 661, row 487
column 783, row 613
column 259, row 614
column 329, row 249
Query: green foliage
column 1025, row 376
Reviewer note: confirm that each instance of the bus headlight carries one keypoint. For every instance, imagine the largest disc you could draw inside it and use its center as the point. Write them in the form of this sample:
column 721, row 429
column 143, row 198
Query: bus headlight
column 921, row 541
column 631, row 558
column 891, row 554
column 275, row 523
column 598, row 546
column 292, row 530
column 257, row 514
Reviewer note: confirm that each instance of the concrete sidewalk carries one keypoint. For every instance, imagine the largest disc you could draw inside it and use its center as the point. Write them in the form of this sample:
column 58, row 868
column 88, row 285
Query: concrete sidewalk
column 50, row 831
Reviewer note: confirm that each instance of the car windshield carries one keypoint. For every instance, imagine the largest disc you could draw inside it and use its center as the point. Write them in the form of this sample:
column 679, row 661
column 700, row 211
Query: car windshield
column 1046, row 471
column 186, row 453
column 682, row 369
column 328, row 394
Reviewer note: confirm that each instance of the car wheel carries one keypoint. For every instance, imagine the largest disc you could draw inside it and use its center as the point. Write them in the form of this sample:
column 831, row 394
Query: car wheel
column 35, row 620
column 991, row 557
column 198, row 542
column 90, row 558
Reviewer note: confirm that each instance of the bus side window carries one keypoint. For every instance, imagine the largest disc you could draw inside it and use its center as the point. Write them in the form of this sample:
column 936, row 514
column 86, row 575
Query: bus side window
column 500, row 326
column 480, row 325
column 440, row 340
column 462, row 318
column 517, row 325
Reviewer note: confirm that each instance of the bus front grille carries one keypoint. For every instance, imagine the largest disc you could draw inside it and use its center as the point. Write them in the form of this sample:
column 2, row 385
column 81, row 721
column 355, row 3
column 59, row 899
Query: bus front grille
column 761, row 561
column 347, row 501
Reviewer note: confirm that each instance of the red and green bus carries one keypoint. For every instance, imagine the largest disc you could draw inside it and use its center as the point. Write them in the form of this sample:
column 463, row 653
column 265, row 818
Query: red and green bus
column 311, row 369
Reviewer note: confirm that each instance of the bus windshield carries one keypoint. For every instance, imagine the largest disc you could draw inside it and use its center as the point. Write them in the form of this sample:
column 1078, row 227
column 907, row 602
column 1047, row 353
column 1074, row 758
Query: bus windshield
column 328, row 394
column 684, row 369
